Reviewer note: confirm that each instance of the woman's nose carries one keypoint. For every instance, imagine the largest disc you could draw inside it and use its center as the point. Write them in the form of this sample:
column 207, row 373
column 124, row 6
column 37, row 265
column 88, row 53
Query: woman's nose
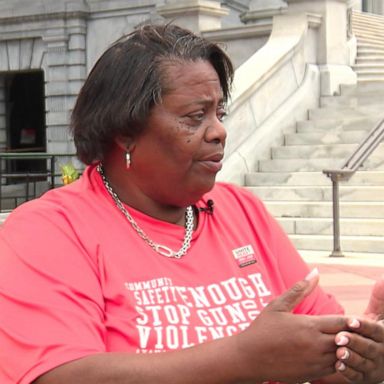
column 216, row 131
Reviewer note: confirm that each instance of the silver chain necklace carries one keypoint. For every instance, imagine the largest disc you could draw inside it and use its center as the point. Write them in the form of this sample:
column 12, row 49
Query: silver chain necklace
column 159, row 248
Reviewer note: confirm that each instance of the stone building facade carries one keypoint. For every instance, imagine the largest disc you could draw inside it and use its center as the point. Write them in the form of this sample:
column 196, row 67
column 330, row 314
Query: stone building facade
column 47, row 48
column 51, row 45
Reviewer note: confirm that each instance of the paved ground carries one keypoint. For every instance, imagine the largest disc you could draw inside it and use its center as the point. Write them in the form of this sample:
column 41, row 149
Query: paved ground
column 350, row 278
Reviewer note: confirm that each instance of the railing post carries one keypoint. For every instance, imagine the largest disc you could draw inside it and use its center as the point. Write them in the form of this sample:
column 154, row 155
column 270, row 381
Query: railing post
column 336, row 217
column 52, row 165
column 354, row 162
column 1, row 183
column 27, row 187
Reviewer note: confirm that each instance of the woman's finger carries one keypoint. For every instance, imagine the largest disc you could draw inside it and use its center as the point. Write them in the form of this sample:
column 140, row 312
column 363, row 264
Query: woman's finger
column 355, row 361
column 368, row 328
column 360, row 358
column 349, row 373
column 363, row 346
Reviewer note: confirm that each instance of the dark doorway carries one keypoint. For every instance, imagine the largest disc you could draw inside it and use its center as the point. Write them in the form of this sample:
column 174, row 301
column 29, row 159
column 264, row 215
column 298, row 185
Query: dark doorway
column 25, row 110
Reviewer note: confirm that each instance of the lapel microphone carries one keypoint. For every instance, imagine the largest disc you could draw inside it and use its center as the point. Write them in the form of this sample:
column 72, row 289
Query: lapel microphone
column 209, row 208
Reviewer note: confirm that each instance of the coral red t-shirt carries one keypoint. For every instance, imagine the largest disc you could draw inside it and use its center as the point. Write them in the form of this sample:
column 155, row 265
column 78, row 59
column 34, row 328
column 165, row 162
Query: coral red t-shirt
column 76, row 279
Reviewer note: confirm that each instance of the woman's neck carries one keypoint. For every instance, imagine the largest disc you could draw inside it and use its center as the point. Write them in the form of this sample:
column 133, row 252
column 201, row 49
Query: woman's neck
column 130, row 194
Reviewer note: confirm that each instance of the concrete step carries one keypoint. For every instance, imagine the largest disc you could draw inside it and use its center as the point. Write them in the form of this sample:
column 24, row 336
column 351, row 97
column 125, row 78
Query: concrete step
column 351, row 209
column 338, row 151
column 362, row 89
column 324, row 226
column 368, row 31
column 317, row 193
column 298, row 165
column 370, row 36
column 368, row 51
column 373, row 73
column 377, row 41
column 351, row 101
column 360, row 15
column 367, row 78
column 364, row 46
column 347, row 124
column 377, row 58
column 367, row 19
column 363, row 26
column 348, row 243
column 328, row 137
column 367, row 178
column 315, row 164
column 367, row 28
column 340, row 112
column 375, row 67
column 366, row 25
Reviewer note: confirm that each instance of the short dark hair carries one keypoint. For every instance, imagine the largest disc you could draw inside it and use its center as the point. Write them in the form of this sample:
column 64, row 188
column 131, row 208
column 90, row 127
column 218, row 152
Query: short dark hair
column 126, row 82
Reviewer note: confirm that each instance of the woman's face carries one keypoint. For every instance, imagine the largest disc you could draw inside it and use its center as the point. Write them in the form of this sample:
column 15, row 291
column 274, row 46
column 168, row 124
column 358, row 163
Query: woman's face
column 176, row 159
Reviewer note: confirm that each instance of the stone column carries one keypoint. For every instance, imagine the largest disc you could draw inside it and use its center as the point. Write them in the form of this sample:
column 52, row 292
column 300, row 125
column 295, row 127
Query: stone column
column 195, row 15
column 65, row 72
column 262, row 11
column 332, row 47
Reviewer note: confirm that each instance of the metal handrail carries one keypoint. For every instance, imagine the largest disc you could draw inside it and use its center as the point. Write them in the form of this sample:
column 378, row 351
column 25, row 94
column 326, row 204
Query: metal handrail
column 30, row 176
column 354, row 162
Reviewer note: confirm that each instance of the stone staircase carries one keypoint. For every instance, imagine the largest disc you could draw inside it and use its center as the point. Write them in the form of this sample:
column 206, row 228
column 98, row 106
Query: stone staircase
column 369, row 31
column 291, row 182
column 299, row 195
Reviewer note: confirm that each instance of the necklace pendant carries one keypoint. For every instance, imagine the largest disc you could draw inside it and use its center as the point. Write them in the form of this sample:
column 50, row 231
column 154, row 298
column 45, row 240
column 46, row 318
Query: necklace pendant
column 164, row 250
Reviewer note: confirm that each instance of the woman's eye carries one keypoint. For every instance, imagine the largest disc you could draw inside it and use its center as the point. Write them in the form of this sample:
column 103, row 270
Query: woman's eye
column 221, row 114
column 199, row 116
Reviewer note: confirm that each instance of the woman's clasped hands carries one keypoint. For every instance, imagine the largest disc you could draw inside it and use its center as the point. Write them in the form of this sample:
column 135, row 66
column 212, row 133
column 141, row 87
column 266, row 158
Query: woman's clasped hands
column 360, row 351
column 318, row 349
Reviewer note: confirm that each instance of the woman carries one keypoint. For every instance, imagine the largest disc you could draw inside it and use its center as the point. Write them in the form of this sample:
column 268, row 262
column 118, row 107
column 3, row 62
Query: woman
column 145, row 254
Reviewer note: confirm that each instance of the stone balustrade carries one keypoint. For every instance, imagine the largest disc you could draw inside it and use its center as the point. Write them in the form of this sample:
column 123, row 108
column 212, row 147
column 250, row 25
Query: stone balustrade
column 272, row 90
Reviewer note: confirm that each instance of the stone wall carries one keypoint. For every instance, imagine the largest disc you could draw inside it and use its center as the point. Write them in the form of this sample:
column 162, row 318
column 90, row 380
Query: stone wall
column 64, row 38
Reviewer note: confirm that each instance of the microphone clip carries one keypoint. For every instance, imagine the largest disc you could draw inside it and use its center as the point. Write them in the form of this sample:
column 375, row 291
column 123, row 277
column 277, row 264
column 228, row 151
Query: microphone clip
column 209, row 208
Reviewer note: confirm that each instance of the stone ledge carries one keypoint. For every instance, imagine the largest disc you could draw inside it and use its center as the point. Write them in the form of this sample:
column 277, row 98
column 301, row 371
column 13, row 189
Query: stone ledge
column 241, row 32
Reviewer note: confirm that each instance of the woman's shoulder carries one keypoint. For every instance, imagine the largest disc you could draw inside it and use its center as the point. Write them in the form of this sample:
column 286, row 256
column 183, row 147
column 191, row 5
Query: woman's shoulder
column 59, row 219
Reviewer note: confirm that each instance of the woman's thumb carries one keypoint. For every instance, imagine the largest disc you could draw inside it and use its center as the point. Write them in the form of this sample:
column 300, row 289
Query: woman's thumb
column 289, row 299
column 375, row 307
